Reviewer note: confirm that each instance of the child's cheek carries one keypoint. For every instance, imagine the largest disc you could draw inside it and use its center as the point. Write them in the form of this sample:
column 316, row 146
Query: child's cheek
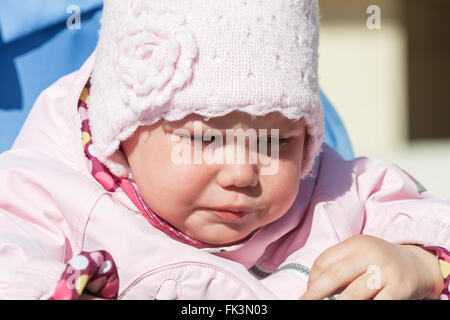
column 189, row 181
column 284, row 186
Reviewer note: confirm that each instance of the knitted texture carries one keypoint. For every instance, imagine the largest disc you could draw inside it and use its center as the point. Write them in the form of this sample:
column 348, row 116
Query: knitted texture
column 170, row 58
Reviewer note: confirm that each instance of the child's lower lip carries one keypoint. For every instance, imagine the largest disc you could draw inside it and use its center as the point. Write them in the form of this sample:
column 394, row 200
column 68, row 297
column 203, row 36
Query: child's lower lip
column 229, row 215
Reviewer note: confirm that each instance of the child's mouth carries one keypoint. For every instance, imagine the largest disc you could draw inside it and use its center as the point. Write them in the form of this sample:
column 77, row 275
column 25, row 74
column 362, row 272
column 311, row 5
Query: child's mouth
column 232, row 214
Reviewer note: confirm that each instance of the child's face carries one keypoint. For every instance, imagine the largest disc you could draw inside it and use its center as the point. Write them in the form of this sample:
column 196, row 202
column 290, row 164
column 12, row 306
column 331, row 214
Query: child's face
column 189, row 195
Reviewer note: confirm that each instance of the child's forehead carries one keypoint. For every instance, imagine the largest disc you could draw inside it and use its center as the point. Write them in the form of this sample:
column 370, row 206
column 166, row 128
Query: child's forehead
column 237, row 119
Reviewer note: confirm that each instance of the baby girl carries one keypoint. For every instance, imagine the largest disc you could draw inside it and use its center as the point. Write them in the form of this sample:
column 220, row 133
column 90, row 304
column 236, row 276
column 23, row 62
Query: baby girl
column 124, row 182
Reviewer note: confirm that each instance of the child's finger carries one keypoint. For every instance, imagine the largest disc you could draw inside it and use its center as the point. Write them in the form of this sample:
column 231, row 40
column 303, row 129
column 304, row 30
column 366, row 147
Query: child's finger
column 329, row 282
column 349, row 249
column 330, row 257
column 361, row 288
column 386, row 294
column 393, row 292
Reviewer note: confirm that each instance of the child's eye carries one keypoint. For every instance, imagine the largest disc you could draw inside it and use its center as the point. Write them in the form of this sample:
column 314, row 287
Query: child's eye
column 203, row 139
column 270, row 140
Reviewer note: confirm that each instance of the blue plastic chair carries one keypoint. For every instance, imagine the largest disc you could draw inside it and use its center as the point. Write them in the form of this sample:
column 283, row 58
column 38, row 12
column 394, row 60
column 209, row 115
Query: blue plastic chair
column 37, row 48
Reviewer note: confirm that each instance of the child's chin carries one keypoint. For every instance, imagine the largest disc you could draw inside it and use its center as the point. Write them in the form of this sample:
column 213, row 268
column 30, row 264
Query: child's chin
column 219, row 242
column 218, row 234
column 223, row 240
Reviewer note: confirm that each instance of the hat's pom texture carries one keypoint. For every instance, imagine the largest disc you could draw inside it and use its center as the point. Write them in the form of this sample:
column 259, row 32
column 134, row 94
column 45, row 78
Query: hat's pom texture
column 155, row 53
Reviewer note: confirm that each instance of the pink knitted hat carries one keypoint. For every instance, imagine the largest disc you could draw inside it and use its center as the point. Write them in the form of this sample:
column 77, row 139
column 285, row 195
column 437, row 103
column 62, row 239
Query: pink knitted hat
column 170, row 58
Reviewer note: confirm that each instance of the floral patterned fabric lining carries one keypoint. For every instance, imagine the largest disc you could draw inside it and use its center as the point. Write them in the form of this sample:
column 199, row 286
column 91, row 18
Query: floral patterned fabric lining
column 93, row 272
column 444, row 262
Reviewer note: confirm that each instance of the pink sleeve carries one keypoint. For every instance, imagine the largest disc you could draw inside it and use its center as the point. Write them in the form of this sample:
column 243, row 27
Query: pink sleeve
column 33, row 232
column 398, row 208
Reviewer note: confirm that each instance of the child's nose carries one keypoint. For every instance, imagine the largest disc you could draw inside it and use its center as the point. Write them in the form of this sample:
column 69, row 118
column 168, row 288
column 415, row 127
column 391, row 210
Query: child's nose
column 238, row 175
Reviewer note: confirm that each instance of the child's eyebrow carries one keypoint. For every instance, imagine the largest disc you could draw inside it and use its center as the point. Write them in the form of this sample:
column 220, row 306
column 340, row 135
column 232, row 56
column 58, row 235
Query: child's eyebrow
column 283, row 129
column 293, row 131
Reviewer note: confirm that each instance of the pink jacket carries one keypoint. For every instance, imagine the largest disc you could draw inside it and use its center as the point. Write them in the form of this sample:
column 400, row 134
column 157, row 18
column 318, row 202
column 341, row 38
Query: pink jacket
column 51, row 208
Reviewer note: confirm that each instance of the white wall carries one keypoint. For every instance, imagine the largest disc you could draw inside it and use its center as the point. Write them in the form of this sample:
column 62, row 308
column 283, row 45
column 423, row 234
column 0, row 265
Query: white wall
column 364, row 74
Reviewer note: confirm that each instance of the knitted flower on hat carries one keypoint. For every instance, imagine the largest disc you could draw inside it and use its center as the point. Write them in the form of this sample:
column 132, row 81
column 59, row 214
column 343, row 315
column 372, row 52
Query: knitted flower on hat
column 154, row 55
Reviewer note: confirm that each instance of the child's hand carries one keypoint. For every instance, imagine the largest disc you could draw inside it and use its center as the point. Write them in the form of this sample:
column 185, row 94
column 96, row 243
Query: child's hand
column 365, row 267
